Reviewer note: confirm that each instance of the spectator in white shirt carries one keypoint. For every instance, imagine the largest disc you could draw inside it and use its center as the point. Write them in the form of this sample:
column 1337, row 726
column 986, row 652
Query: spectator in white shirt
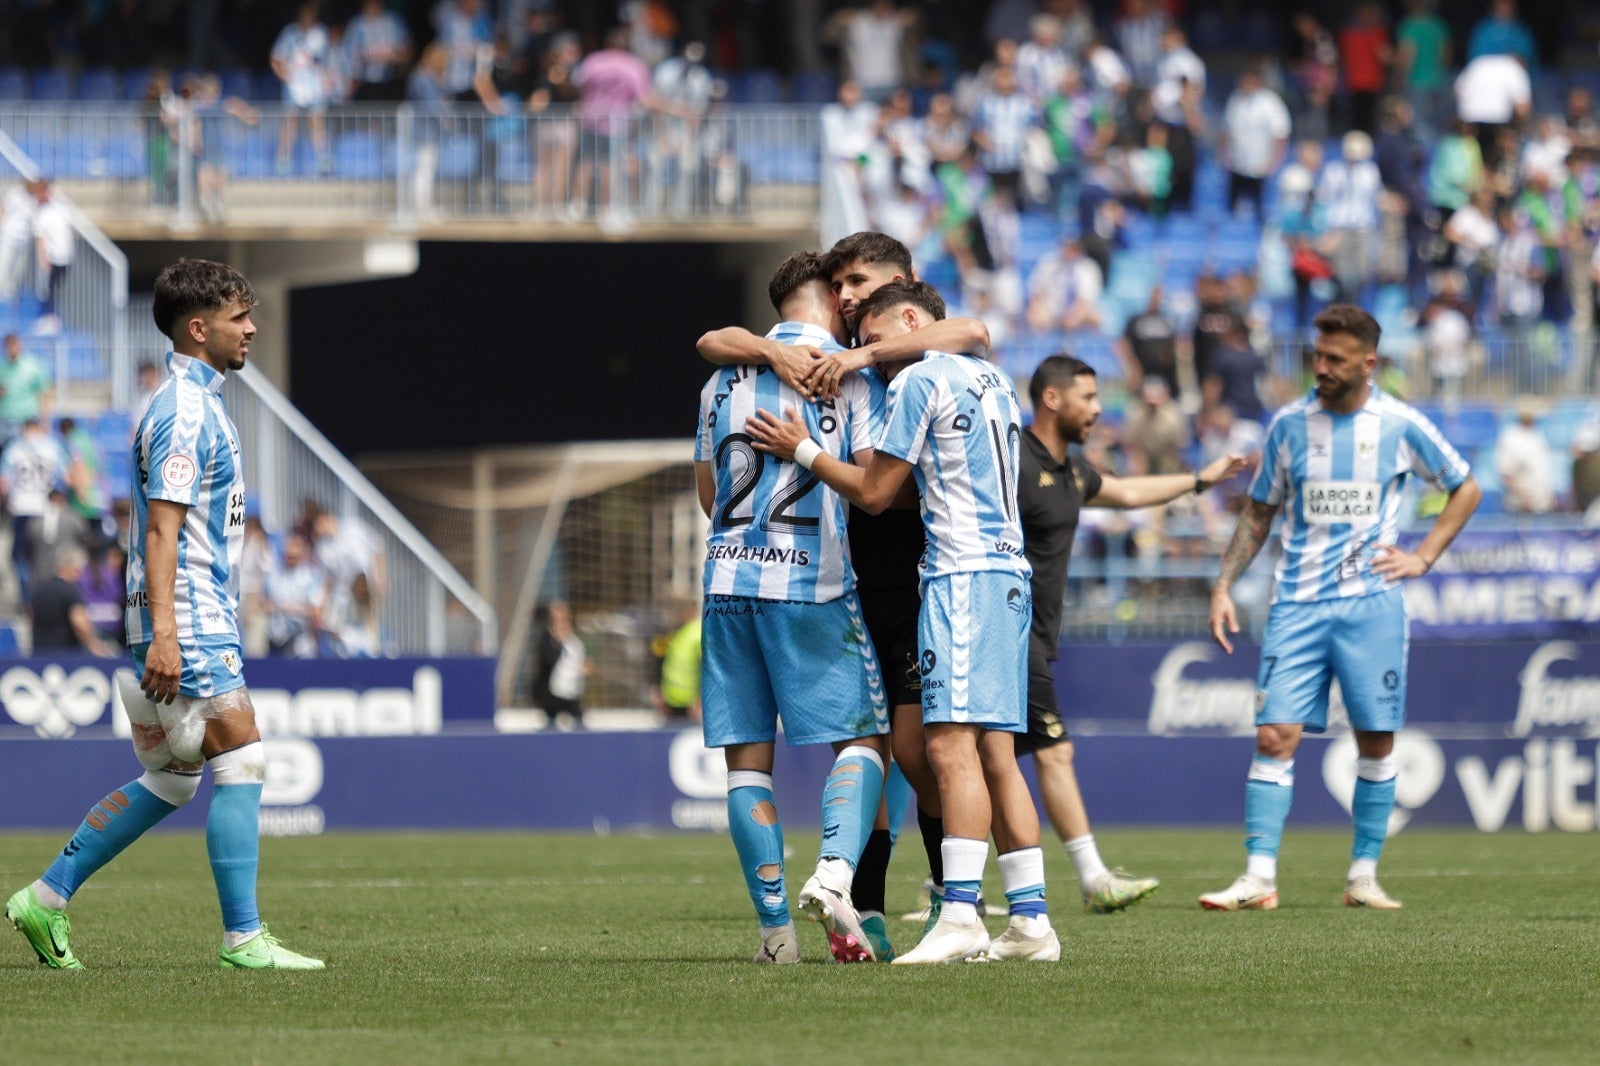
column 1041, row 60
column 16, row 238
column 1493, row 93
column 872, row 39
column 1000, row 125
column 1255, row 132
column 1348, row 193
column 1064, row 290
column 1523, row 459
column 52, row 230
column 1139, row 33
column 1179, row 67
column 300, row 60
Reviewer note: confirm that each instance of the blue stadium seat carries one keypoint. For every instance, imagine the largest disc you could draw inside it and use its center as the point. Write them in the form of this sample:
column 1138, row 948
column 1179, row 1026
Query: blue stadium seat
column 514, row 163
column 760, row 87
column 125, row 156
column 358, row 155
column 1209, row 32
column 99, row 85
column 10, row 647
column 51, row 84
column 1259, row 31
column 13, row 84
column 815, row 87
column 459, row 158
column 238, row 81
column 134, row 84
column 268, row 89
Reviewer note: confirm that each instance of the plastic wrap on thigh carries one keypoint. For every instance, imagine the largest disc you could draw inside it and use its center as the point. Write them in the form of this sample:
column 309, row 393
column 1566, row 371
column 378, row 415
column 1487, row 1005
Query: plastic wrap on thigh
column 150, row 744
column 186, row 717
column 184, row 721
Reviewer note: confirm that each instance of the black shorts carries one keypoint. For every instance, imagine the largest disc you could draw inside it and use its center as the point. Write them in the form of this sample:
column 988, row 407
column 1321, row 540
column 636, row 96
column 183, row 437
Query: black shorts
column 891, row 617
column 1045, row 727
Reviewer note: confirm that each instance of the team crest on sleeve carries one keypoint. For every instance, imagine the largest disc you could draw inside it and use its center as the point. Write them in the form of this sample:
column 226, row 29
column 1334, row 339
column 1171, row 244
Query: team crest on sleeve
column 179, row 471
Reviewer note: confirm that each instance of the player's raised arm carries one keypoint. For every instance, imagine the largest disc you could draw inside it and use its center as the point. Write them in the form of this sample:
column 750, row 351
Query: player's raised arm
column 1255, row 522
column 872, row 488
column 735, row 345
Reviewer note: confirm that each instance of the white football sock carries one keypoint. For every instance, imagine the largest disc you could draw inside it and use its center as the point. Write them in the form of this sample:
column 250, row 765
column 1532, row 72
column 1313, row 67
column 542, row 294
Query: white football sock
column 1086, row 857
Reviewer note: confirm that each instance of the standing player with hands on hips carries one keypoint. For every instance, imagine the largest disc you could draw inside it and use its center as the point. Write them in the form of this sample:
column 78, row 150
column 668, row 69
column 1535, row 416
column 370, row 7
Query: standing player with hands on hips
column 1336, row 462
column 190, row 708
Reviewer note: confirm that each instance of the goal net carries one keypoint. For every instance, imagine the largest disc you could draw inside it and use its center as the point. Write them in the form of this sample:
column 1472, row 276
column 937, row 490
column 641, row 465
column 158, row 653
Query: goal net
column 613, row 529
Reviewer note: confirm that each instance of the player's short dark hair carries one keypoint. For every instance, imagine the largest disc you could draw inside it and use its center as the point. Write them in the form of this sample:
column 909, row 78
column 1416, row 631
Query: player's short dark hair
column 799, row 269
column 870, row 247
column 887, row 297
column 1351, row 320
column 1054, row 373
column 192, row 285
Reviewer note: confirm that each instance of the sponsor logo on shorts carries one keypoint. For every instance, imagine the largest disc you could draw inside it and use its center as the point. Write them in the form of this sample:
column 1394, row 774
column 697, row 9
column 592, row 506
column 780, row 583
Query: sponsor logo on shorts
column 929, row 661
column 1391, row 680
column 1016, row 601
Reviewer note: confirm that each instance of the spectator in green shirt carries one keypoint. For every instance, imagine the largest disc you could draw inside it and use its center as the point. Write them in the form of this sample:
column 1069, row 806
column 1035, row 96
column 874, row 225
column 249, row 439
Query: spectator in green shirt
column 680, row 673
column 1423, row 64
column 24, row 388
column 85, row 494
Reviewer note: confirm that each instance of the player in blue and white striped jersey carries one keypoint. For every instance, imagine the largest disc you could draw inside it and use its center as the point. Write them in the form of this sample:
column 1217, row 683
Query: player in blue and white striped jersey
column 190, row 708
column 783, row 633
column 955, row 421
column 1336, row 462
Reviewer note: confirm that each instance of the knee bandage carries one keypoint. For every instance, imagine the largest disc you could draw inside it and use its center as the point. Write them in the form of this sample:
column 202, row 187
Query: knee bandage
column 1375, row 770
column 172, row 786
column 241, row 766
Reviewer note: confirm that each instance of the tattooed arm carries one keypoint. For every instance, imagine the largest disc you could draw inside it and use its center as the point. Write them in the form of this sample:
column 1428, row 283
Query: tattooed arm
column 1255, row 522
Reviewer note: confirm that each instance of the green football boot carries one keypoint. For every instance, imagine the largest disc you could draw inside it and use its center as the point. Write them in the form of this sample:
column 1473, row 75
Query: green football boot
column 1117, row 890
column 265, row 952
column 46, row 930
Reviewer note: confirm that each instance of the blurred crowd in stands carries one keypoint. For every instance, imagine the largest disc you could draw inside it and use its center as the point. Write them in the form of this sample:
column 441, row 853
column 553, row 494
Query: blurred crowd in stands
column 312, row 590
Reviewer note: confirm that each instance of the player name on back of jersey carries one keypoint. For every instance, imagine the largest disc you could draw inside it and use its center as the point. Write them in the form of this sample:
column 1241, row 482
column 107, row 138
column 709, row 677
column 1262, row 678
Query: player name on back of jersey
column 759, row 553
column 1326, row 502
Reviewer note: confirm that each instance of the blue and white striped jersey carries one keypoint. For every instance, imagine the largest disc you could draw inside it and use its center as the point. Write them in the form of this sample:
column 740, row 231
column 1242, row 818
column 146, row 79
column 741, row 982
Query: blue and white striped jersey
column 187, row 451
column 777, row 532
column 955, row 419
column 1340, row 479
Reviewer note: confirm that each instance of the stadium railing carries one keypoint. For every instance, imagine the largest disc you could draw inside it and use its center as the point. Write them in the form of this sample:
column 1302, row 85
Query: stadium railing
column 89, row 352
column 404, row 166
column 424, row 606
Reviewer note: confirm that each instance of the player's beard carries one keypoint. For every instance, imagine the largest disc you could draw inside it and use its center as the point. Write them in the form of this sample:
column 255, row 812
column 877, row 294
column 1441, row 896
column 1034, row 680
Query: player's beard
column 1332, row 390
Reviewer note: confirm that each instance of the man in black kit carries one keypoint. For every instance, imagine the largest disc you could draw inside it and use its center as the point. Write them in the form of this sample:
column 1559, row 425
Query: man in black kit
column 1052, row 486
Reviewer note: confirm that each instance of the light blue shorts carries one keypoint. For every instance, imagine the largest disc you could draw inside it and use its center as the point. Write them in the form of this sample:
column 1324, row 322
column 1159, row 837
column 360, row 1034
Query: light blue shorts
column 1361, row 640
column 211, row 665
column 810, row 663
column 972, row 636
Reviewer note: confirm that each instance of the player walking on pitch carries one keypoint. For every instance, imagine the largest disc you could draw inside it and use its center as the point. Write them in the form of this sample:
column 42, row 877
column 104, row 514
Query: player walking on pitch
column 1336, row 462
column 190, row 708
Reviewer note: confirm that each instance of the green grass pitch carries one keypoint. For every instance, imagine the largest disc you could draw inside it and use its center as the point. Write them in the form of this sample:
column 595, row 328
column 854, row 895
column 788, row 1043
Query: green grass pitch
column 472, row 947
